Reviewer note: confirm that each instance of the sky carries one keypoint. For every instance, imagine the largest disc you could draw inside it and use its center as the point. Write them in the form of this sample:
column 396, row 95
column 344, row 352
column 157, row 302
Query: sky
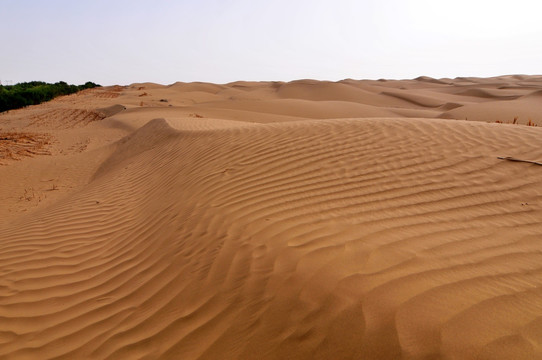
column 164, row 41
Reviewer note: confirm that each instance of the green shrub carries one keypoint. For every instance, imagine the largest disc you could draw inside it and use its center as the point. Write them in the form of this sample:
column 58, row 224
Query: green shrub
column 35, row 92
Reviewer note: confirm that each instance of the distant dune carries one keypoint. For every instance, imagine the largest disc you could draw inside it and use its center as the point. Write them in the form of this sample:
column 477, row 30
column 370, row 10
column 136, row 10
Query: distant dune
column 270, row 220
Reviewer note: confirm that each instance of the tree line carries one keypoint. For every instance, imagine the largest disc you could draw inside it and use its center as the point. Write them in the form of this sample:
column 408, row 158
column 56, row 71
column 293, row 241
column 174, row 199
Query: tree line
column 35, row 92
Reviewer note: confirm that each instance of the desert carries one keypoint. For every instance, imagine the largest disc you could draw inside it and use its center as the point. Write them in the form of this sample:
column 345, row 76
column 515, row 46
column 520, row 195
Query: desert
column 356, row 219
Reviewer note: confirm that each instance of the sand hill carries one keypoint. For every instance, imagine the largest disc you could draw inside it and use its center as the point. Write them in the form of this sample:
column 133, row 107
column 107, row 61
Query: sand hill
column 271, row 220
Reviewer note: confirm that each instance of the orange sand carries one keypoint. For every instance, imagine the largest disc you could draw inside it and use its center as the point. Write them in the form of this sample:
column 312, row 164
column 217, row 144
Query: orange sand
column 270, row 220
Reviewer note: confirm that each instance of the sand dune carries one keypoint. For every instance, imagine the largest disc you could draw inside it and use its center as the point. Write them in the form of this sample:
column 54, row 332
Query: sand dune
column 525, row 109
column 299, row 221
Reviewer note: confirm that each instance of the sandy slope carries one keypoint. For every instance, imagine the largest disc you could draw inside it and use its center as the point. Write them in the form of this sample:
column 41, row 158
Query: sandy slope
column 303, row 220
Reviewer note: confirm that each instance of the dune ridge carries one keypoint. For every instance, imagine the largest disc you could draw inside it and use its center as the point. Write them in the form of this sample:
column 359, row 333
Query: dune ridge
column 173, row 235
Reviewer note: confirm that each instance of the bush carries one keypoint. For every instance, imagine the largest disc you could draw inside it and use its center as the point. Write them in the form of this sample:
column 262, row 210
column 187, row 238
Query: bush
column 35, row 92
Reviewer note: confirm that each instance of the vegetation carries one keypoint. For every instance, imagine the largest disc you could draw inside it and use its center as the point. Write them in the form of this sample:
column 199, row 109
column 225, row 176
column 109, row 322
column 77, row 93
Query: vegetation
column 35, row 92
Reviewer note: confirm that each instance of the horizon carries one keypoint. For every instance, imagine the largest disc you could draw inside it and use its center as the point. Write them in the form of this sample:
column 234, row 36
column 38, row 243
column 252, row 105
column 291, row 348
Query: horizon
column 281, row 81
column 125, row 42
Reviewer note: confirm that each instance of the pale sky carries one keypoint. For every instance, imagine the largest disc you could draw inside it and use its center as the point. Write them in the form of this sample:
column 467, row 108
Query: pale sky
column 127, row 41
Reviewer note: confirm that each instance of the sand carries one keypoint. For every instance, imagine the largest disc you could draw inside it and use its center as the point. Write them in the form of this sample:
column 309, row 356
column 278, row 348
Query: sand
column 270, row 220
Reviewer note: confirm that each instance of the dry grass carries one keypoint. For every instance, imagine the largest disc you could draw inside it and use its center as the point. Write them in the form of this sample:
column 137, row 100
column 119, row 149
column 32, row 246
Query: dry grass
column 515, row 122
column 16, row 145
column 509, row 158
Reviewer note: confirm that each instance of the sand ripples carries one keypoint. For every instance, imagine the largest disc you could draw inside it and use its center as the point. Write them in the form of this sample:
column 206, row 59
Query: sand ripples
column 323, row 239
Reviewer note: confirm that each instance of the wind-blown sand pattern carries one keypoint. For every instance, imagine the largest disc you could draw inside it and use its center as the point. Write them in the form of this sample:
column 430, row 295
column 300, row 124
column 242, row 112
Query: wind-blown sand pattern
column 301, row 220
